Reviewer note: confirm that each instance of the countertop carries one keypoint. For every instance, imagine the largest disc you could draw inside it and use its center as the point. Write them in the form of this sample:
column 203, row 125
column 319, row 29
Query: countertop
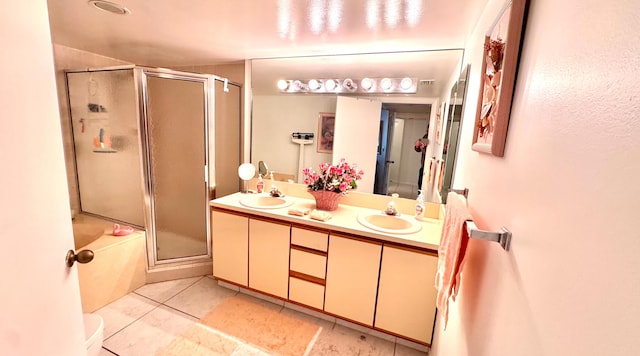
column 344, row 219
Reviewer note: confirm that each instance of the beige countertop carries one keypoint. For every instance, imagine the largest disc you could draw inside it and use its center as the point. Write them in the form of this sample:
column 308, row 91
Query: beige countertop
column 344, row 219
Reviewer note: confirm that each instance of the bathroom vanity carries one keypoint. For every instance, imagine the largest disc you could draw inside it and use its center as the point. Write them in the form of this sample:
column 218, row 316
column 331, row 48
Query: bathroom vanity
column 340, row 267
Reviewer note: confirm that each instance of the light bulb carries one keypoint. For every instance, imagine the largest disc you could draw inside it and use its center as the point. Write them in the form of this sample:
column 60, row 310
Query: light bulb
column 314, row 84
column 366, row 84
column 349, row 84
column 283, row 84
column 330, row 85
column 385, row 83
column 406, row 83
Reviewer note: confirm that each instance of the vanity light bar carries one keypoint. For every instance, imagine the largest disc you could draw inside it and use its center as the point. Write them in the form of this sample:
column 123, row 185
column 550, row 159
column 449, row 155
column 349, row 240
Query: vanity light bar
column 404, row 85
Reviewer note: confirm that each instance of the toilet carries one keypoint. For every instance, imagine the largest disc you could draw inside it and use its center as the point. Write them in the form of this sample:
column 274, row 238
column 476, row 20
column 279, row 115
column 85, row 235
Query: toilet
column 93, row 333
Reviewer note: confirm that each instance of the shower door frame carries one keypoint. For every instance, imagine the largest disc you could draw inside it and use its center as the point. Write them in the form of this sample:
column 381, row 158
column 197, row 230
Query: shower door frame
column 208, row 97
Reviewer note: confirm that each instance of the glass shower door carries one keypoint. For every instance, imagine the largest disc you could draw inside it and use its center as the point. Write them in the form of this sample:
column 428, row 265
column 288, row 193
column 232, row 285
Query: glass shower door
column 104, row 118
column 176, row 124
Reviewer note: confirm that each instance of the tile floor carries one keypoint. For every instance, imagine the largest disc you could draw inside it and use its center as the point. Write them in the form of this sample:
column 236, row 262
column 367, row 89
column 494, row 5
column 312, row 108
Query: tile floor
column 149, row 319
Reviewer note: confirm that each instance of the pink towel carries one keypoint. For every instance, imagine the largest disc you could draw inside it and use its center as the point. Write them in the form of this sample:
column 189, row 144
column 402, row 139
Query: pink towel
column 453, row 245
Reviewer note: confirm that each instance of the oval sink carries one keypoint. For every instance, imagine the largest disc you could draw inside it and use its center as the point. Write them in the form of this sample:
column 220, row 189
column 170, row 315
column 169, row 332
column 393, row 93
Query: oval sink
column 265, row 202
column 389, row 223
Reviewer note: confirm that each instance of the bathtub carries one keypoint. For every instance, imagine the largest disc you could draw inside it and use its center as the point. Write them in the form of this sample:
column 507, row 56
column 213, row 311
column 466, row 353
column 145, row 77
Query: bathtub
column 118, row 266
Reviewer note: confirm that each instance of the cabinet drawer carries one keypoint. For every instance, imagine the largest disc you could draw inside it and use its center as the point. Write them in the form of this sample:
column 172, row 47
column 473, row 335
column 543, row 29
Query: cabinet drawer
column 308, row 238
column 308, row 263
column 307, row 293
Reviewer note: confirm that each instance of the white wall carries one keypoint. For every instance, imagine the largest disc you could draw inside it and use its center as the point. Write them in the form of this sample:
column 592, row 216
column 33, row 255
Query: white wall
column 40, row 310
column 410, row 161
column 566, row 187
column 275, row 118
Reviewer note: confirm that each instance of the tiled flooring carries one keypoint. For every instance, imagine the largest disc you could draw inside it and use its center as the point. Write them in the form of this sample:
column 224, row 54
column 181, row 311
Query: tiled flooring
column 149, row 320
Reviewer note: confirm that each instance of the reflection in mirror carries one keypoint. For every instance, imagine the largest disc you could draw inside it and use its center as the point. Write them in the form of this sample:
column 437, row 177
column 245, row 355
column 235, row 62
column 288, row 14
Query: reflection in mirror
column 450, row 150
column 262, row 168
column 275, row 115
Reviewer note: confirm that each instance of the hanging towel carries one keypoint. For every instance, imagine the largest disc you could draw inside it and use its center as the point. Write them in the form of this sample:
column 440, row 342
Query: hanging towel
column 453, row 245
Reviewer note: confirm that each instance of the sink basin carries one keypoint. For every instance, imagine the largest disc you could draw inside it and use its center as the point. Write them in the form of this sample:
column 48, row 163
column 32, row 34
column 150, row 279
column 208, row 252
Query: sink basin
column 390, row 224
column 265, row 202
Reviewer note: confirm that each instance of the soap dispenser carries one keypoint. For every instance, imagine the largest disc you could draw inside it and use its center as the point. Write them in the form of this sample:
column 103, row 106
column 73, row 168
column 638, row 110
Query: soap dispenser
column 420, row 206
column 260, row 184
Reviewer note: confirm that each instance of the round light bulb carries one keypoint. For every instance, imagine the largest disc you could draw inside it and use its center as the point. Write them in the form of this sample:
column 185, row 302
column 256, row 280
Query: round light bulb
column 330, row 84
column 314, row 84
column 283, row 84
column 406, row 83
column 366, row 84
column 385, row 83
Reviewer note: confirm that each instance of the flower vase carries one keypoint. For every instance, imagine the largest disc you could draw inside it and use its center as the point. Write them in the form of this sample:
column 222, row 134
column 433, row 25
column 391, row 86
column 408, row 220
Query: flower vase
column 326, row 200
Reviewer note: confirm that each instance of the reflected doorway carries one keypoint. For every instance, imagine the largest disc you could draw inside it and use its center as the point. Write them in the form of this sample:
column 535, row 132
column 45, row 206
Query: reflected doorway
column 406, row 124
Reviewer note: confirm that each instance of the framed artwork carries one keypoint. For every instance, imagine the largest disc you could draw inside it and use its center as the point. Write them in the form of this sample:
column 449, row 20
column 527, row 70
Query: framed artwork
column 499, row 67
column 326, row 125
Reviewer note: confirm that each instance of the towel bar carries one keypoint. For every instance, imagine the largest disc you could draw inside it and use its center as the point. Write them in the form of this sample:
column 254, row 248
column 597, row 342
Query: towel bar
column 464, row 191
column 503, row 237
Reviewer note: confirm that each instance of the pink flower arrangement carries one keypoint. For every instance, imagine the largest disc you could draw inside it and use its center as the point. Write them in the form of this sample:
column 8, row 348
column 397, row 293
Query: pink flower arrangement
column 338, row 178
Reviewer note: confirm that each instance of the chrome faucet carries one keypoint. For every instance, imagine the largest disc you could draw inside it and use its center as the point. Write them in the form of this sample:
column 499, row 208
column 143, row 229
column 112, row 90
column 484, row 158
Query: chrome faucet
column 275, row 192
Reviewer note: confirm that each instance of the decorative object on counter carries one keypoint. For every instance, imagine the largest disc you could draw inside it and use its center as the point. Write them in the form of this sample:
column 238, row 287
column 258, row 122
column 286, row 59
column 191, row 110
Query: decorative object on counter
column 331, row 183
column 121, row 230
column 326, row 200
column 499, row 64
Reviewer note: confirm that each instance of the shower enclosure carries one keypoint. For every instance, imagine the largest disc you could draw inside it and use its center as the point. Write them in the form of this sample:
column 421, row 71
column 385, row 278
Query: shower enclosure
column 143, row 138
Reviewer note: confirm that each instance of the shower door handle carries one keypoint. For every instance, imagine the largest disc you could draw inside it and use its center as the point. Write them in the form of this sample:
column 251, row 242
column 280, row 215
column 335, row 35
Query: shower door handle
column 84, row 256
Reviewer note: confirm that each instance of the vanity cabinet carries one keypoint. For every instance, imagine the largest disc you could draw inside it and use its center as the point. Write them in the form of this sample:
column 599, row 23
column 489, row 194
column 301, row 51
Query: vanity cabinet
column 352, row 278
column 406, row 294
column 269, row 257
column 229, row 246
column 308, row 266
column 373, row 282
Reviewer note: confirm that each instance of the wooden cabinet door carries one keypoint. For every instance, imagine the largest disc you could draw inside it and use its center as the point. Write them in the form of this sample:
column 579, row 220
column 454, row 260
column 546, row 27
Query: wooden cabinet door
column 230, row 243
column 269, row 257
column 352, row 278
column 406, row 294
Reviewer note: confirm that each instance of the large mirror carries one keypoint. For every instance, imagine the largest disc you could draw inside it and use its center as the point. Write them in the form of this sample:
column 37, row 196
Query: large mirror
column 383, row 143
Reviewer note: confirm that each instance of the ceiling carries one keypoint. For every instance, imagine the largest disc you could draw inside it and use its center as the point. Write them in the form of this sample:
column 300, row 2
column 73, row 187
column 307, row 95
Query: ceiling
column 166, row 33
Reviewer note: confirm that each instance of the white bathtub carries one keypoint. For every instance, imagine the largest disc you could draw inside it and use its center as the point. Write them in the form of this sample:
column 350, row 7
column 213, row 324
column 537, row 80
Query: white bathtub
column 118, row 266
